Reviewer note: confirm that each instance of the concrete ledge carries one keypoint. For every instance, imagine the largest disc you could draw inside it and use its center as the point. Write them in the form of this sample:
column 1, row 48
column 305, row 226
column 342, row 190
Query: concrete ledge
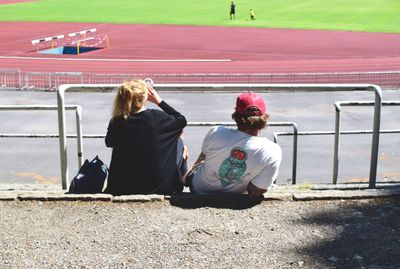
column 355, row 186
column 138, row 198
column 8, row 196
column 270, row 196
column 64, row 197
column 345, row 194
column 300, row 192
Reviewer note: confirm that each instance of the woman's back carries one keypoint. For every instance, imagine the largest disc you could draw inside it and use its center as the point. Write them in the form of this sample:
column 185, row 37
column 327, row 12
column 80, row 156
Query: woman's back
column 144, row 152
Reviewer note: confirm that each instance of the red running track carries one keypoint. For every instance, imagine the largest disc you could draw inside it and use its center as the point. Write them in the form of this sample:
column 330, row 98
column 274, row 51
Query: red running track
column 162, row 49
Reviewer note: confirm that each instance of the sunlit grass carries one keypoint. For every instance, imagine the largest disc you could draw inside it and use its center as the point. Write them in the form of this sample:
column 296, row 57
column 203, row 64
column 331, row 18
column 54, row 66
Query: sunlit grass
column 353, row 15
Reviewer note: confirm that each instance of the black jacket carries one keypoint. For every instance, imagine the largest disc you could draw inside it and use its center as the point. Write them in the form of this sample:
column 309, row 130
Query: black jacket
column 144, row 146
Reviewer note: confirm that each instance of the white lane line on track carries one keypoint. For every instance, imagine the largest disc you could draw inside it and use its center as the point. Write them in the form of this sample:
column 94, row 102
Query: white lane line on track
column 115, row 60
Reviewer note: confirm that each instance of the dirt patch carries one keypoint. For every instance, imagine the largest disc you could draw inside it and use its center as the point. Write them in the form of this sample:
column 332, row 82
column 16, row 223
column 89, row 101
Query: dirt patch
column 317, row 234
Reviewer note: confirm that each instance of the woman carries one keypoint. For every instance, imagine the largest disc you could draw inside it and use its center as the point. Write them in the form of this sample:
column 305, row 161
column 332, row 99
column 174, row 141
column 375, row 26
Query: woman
column 145, row 143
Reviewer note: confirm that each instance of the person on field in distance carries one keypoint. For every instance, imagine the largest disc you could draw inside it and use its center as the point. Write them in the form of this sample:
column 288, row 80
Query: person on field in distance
column 232, row 11
column 252, row 16
column 237, row 160
column 148, row 155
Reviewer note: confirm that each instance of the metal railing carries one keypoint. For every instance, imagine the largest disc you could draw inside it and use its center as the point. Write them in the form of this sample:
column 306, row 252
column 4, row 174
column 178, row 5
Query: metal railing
column 309, row 88
column 10, row 78
column 16, row 79
column 338, row 106
column 270, row 124
column 78, row 114
column 318, row 133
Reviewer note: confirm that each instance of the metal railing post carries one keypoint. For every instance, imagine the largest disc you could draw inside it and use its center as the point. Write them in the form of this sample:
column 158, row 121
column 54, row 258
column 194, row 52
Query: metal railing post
column 338, row 106
column 294, row 151
column 19, row 79
column 375, row 136
column 294, row 165
column 62, row 136
column 79, row 135
column 337, row 132
column 336, row 144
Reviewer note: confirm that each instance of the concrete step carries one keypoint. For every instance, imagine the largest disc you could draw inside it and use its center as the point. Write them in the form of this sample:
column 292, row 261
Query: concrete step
column 300, row 192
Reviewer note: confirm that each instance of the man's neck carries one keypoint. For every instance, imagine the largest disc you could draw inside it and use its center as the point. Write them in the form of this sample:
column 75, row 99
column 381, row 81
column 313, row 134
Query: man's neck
column 250, row 132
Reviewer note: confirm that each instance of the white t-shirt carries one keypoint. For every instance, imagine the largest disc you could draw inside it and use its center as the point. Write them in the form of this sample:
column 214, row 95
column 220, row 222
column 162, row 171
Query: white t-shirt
column 233, row 159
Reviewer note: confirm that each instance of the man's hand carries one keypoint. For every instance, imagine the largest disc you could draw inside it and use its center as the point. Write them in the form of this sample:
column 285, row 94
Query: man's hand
column 254, row 191
column 194, row 167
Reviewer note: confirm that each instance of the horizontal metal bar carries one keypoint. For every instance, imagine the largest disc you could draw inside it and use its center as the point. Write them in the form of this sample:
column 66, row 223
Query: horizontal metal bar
column 47, row 136
column 338, row 104
column 189, row 124
column 368, row 103
column 35, row 107
column 279, row 133
column 229, row 123
column 32, row 135
column 245, row 74
column 201, row 124
column 224, row 88
column 332, row 132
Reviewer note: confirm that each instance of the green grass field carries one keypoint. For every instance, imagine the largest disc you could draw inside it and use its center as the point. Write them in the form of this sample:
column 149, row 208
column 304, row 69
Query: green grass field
column 353, row 15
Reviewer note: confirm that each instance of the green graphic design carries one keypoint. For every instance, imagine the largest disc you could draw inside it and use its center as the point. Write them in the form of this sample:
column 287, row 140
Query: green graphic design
column 232, row 169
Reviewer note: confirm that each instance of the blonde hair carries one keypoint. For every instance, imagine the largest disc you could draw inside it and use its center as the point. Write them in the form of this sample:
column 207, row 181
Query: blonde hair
column 130, row 98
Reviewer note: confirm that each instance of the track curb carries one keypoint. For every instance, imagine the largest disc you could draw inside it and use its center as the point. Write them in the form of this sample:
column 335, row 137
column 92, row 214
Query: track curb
column 302, row 192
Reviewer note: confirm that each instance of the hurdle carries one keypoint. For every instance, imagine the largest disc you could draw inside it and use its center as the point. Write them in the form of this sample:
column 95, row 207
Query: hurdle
column 53, row 39
column 75, row 43
column 83, row 33
column 79, row 42
column 105, row 38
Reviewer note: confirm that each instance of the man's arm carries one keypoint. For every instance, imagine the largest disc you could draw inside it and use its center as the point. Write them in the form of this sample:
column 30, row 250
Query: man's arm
column 264, row 180
column 199, row 160
column 188, row 176
column 196, row 164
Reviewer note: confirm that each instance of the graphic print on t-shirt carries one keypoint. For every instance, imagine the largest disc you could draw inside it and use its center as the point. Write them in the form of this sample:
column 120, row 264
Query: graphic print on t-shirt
column 232, row 169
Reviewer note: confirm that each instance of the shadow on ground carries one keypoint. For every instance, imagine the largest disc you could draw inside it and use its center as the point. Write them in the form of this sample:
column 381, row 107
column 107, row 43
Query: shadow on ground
column 228, row 201
column 367, row 234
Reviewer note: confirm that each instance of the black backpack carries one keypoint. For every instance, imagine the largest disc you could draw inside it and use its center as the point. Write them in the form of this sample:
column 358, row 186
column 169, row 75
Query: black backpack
column 90, row 177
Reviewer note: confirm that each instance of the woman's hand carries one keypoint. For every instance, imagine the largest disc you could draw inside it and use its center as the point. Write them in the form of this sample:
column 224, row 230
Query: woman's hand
column 153, row 96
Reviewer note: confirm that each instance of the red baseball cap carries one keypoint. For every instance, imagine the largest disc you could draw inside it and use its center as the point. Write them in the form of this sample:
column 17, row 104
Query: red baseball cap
column 245, row 101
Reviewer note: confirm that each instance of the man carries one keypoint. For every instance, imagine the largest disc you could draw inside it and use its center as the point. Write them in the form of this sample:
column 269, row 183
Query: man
column 252, row 16
column 237, row 160
column 232, row 11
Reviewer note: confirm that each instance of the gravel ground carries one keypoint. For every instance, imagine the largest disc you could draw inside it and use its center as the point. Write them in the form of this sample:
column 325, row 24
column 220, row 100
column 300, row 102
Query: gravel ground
column 192, row 234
